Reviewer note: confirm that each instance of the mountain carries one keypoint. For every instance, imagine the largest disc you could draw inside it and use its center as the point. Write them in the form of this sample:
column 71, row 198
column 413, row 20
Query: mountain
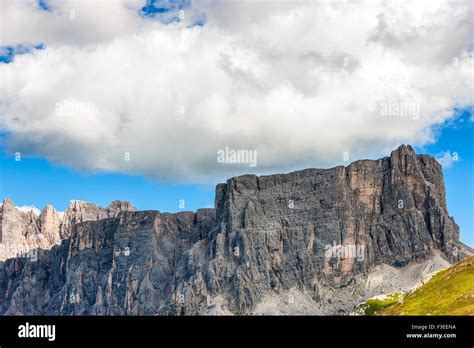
column 21, row 232
column 316, row 241
column 449, row 292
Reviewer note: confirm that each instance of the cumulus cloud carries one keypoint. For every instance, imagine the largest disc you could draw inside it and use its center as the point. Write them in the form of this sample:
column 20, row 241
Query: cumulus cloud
column 300, row 83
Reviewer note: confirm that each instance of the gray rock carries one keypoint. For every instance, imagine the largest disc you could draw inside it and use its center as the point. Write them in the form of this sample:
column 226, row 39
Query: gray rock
column 79, row 211
column 22, row 232
column 268, row 236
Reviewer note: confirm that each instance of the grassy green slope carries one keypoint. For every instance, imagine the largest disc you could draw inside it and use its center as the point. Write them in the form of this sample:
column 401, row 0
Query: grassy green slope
column 374, row 305
column 450, row 292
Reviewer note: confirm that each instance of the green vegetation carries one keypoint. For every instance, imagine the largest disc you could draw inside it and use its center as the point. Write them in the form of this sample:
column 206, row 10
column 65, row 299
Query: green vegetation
column 450, row 292
column 376, row 304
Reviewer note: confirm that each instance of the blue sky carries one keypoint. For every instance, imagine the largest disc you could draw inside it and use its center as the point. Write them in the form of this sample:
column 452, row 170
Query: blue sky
column 172, row 81
column 458, row 136
column 34, row 181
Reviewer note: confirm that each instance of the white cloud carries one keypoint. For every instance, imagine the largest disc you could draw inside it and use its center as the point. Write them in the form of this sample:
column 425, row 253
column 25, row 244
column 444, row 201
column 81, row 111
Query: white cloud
column 70, row 22
column 28, row 208
column 447, row 159
column 301, row 83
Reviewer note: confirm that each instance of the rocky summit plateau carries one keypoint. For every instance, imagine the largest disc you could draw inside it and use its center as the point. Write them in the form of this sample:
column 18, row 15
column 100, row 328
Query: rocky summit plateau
column 315, row 241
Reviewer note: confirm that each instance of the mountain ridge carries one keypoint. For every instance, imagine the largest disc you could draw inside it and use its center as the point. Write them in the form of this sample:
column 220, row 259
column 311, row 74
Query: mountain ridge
column 266, row 236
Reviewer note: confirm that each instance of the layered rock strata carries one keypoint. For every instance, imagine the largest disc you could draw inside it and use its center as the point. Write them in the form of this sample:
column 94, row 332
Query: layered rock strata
column 321, row 238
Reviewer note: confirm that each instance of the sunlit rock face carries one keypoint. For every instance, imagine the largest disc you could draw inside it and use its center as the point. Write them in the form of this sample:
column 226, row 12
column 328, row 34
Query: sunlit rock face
column 23, row 231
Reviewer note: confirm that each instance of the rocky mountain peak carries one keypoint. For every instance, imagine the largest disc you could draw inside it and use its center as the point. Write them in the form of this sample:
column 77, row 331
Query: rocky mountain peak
column 48, row 210
column 403, row 150
column 79, row 211
column 117, row 206
column 49, row 224
column 21, row 231
column 8, row 204
column 330, row 238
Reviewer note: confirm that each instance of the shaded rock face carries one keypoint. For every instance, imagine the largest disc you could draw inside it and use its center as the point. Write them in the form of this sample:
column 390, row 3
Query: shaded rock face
column 273, row 232
column 118, row 266
column 319, row 231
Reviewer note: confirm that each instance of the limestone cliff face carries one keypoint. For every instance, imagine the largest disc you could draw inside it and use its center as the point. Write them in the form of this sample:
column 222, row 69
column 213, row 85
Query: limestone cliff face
column 319, row 231
column 122, row 265
column 25, row 231
column 273, row 232
column 79, row 211
column 12, row 220
column 22, row 232
column 49, row 224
